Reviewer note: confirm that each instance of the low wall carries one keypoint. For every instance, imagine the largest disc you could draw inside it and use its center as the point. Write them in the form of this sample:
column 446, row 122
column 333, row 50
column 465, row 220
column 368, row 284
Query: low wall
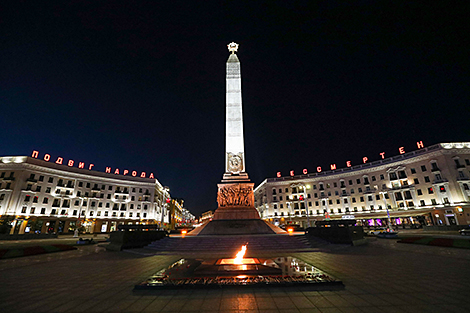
column 26, row 236
column 347, row 235
column 133, row 239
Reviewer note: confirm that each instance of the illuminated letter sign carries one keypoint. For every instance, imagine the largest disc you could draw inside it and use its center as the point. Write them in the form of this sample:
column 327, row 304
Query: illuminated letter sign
column 305, row 171
column 116, row 172
column 81, row 165
column 382, row 154
column 278, row 174
column 91, row 165
column 348, row 163
column 47, row 157
column 401, row 150
column 319, row 169
column 108, row 170
column 151, row 175
column 420, row 144
column 291, row 173
column 59, row 160
column 333, row 166
column 364, row 159
column 35, row 154
column 70, row 163
column 125, row 172
column 142, row 175
column 134, row 173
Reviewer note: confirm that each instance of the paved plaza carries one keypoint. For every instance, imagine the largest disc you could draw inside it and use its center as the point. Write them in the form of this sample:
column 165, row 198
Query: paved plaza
column 382, row 276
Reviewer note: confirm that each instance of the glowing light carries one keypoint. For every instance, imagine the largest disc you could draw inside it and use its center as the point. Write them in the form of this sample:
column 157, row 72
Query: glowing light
column 290, row 231
column 240, row 254
column 184, row 232
column 420, row 144
column 401, row 150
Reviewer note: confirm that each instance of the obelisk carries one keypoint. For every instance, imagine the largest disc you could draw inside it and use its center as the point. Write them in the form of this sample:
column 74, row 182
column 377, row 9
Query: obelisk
column 236, row 213
column 234, row 145
column 235, row 196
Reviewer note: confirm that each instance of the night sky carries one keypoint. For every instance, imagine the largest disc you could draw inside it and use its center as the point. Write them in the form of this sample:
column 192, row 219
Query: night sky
column 140, row 85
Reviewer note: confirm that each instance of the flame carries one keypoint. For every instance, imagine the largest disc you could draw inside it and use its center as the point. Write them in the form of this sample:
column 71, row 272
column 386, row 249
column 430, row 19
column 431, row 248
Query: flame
column 240, row 254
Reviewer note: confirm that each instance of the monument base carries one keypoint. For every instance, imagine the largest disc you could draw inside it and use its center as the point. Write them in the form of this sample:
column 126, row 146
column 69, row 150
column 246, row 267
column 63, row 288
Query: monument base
column 235, row 227
column 237, row 213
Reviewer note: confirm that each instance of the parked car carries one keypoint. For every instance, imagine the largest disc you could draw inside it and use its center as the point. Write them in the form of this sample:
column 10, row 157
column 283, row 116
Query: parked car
column 465, row 231
column 375, row 232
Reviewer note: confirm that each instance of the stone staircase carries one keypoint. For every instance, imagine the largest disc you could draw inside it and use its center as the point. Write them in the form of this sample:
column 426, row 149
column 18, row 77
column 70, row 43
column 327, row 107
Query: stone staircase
column 231, row 244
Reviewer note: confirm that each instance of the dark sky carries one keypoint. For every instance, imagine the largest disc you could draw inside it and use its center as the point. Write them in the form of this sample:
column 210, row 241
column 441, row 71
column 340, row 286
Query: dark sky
column 141, row 84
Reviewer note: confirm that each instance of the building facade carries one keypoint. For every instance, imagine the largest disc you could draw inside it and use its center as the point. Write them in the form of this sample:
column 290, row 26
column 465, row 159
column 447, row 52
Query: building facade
column 45, row 197
column 429, row 186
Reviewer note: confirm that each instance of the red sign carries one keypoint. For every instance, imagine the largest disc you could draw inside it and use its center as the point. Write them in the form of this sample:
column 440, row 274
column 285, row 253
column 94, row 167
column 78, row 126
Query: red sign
column 71, row 163
column 401, row 150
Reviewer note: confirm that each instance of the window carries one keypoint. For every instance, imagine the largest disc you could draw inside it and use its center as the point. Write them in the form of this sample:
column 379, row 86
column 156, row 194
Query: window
column 402, row 174
column 77, row 202
column 413, row 171
column 88, row 185
column 27, row 198
column 100, row 204
column 465, row 187
column 398, row 196
column 442, row 189
column 350, row 182
column 433, row 201
column 32, row 210
column 107, row 204
column 366, row 181
column 105, row 213
column 423, row 168
column 80, row 184
column 316, row 203
column 408, row 195
column 84, row 203
column 43, row 210
column 274, row 191
column 41, row 178
column 38, row 188
column 330, row 201
column 461, row 174
column 352, row 191
column 91, row 213
column 377, row 197
column 393, row 176
column 354, row 200
column 35, row 200
column 419, row 192
column 108, row 196
column 93, row 203
column 2, row 196
column 386, row 196
column 110, row 188
column 362, row 199
column 430, row 191
column 51, row 180
column 280, row 198
column 382, row 177
column 53, row 212
column 416, row 181
column 337, row 201
column 358, row 181
column 373, row 178
column 335, row 185
column 434, row 166
column 281, row 206
column 438, row 176
column 145, row 215
column 23, row 209
column 140, row 190
column 336, row 192
column 359, row 189
column 345, row 200
column 103, row 187
column 426, row 179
